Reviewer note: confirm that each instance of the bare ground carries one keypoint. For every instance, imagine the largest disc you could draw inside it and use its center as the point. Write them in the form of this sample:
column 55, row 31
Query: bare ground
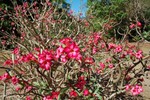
column 146, row 84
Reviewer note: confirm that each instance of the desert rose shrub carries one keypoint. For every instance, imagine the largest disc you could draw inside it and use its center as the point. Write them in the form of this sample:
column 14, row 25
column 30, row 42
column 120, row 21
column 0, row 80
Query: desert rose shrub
column 57, row 57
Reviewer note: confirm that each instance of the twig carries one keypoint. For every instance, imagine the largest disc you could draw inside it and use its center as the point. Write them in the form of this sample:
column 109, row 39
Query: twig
column 4, row 92
column 114, row 94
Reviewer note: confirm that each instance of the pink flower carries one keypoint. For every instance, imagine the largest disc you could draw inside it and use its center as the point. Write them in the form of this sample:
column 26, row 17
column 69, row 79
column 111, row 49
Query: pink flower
column 12, row 23
column 128, row 86
column 71, row 47
column 118, row 49
column 14, row 80
column 45, row 59
column 111, row 65
column 31, row 57
column 7, row 62
column 86, row 92
column 80, row 82
column 48, row 3
column 37, row 49
column 86, row 23
column 103, row 45
column 55, row 95
column 139, row 24
column 130, row 52
column 28, row 98
column 17, row 88
column 41, row 60
column 28, row 88
column 132, row 26
column 111, row 46
column 27, row 58
column 73, row 54
column 89, row 60
column 25, row 5
column 47, row 65
column 47, row 98
column 139, row 54
column 63, row 58
column 94, row 50
column 66, row 41
column 102, row 65
column 59, row 51
column 135, row 90
column 4, row 77
column 16, row 51
column 148, row 67
column 73, row 93
column 83, row 49
column 124, row 54
column 79, row 57
column 96, row 37
column 72, row 51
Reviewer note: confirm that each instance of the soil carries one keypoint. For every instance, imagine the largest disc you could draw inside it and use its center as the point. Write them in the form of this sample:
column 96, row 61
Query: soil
column 146, row 84
column 145, row 47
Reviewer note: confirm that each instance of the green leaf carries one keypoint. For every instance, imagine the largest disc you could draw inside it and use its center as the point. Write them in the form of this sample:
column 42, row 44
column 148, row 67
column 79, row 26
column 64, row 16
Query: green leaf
column 97, row 92
column 64, row 90
column 99, row 96
column 43, row 84
column 36, row 84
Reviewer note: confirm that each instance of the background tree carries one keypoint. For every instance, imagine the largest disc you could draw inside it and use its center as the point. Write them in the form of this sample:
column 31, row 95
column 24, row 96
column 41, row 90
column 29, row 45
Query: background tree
column 115, row 17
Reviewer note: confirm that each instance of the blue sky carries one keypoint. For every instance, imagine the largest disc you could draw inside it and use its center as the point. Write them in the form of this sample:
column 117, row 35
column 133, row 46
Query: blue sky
column 78, row 6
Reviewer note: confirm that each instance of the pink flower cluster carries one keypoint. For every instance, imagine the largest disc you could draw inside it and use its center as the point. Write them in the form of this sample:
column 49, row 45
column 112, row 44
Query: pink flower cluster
column 80, row 82
column 139, row 54
column 19, row 59
column 16, row 51
column 4, row 77
column 68, row 50
column 135, row 90
column 8, row 62
column 53, row 96
column 45, row 59
column 28, row 98
column 117, row 48
column 138, row 24
column 14, row 80
column 74, row 94
column 22, row 59
column 27, row 58
column 102, row 65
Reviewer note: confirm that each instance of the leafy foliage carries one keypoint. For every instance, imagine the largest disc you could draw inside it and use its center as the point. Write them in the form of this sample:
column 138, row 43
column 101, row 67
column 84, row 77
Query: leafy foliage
column 115, row 17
